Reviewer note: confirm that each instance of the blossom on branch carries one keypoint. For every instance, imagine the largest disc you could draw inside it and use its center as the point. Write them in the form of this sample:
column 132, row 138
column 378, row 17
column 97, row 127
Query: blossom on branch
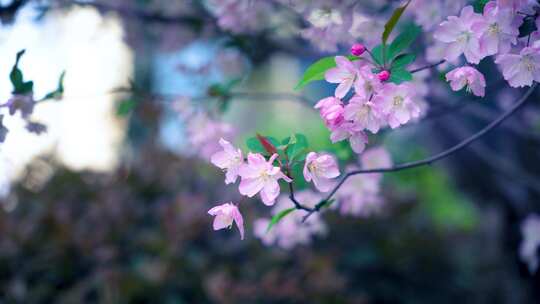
column 345, row 74
column 229, row 159
column 468, row 77
column 321, row 169
column 396, row 103
column 259, row 175
column 460, row 37
column 521, row 70
column 225, row 215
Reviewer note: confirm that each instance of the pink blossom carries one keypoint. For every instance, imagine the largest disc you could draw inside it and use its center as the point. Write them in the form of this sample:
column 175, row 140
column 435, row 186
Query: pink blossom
column 359, row 195
column 458, row 33
column 468, row 77
column 291, row 230
column 345, row 74
column 229, row 159
column 203, row 133
column 259, row 175
column 331, row 111
column 358, row 49
column 396, row 103
column 357, row 138
column 321, row 169
column 225, row 215
column 367, row 83
column 521, row 70
column 376, row 158
column 499, row 29
column 362, row 112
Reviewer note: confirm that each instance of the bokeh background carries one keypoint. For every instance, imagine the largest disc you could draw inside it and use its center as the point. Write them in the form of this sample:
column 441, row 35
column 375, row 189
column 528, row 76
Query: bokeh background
column 109, row 206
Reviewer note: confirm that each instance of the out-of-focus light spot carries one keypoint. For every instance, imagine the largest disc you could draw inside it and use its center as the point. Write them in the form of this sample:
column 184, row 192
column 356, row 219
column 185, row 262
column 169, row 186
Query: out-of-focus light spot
column 83, row 132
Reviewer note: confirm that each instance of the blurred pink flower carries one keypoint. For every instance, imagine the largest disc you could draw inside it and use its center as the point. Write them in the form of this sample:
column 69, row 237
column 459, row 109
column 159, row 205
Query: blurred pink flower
column 291, row 230
column 321, row 169
column 259, row 175
column 468, row 77
column 225, row 215
column 229, row 159
column 530, row 231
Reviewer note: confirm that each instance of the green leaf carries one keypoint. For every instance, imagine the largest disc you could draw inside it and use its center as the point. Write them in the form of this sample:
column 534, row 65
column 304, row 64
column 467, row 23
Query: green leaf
column 478, row 6
column 389, row 26
column 317, row 70
column 125, row 107
column 377, row 54
column 299, row 146
column 398, row 76
column 255, row 145
column 403, row 60
column 17, row 79
column 57, row 94
column 278, row 217
column 403, row 41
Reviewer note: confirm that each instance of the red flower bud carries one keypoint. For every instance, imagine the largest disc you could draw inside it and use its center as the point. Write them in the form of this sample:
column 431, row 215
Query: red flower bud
column 358, row 49
column 383, row 75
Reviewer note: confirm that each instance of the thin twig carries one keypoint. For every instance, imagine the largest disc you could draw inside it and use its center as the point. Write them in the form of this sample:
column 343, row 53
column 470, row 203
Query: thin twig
column 427, row 67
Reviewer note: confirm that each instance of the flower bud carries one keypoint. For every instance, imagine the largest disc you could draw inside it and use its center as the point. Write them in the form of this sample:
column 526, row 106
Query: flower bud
column 383, row 75
column 358, row 49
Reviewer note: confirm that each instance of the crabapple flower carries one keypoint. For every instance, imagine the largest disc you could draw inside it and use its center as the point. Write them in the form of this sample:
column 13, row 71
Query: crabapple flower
column 292, row 230
column 3, row 130
column 367, row 83
column 513, row 5
column 530, row 230
column 331, row 111
column 225, row 215
column 259, row 175
column 460, row 36
column 345, row 74
column 362, row 112
column 230, row 160
column 357, row 138
column 383, row 76
column 499, row 29
column 376, row 158
column 358, row 49
column 321, row 169
column 396, row 103
column 521, row 70
column 468, row 77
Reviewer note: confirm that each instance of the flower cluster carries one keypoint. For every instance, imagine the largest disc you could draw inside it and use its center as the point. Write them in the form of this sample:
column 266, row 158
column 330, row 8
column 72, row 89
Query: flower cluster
column 375, row 103
column 495, row 32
